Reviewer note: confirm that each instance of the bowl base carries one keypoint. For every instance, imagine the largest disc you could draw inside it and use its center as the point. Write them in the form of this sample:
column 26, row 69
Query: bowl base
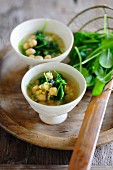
column 53, row 119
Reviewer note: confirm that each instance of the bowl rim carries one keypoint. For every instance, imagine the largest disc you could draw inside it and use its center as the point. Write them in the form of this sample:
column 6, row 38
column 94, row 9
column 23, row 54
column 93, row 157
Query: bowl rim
column 39, row 19
column 46, row 106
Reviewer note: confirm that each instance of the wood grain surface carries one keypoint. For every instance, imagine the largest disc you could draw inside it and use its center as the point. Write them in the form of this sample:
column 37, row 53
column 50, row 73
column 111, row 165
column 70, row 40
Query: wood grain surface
column 44, row 167
column 18, row 118
column 87, row 139
column 13, row 150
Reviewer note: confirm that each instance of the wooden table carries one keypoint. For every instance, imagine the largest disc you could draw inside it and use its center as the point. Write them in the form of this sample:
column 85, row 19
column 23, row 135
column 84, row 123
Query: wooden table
column 15, row 153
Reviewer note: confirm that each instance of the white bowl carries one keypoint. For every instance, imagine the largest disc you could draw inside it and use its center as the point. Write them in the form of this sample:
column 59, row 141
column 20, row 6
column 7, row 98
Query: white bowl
column 53, row 114
column 31, row 26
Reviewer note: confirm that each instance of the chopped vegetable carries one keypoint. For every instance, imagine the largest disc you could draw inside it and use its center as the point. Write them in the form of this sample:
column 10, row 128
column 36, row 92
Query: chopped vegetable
column 92, row 55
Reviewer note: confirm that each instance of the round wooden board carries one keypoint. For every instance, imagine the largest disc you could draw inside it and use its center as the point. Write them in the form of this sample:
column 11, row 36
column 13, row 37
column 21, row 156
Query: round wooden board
column 19, row 119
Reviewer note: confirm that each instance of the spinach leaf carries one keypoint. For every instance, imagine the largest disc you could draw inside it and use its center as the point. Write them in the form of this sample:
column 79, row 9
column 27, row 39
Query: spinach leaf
column 106, row 58
column 88, row 77
column 98, row 87
column 107, row 77
column 100, row 72
column 42, row 79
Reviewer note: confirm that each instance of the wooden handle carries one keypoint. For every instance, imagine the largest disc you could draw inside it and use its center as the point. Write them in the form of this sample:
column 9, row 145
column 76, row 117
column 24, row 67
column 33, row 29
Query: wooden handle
column 85, row 145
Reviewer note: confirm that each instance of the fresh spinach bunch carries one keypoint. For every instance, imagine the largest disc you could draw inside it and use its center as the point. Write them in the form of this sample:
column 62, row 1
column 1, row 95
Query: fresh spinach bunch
column 92, row 55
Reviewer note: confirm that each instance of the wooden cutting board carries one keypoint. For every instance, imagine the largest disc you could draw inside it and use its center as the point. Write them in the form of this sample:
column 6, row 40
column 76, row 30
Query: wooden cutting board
column 19, row 119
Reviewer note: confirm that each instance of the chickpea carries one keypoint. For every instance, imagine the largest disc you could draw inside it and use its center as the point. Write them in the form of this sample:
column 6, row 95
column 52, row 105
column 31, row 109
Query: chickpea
column 41, row 97
column 45, row 86
column 38, row 92
column 47, row 57
column 39, row 57
column 53, row 91
column 33, row 43
column 26, row 46
column 34, row 89
column 49, row 75
column 43, row 92
column 31, row 56
column 30, row 51
column 33, row 36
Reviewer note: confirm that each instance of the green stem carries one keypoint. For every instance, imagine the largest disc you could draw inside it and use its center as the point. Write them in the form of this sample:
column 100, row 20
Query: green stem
column 108, row 45
column 107, row 75
column 93, row 55
column 105, row 24
column 80, row 59
column 37, row 47
column 59, row 88
column 87, row 60
column 44, row 26
column 46, row 77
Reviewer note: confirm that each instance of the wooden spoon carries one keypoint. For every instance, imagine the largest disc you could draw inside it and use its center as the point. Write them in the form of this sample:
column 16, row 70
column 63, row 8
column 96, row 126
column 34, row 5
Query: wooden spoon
column 86, row 143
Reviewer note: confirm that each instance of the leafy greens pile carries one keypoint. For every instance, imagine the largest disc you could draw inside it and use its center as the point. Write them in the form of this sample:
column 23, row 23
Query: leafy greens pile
column 92, row 55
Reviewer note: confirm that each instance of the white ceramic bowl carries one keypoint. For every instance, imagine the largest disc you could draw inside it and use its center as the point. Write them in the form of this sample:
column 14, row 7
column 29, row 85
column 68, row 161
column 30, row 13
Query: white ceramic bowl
column 53, row 114
column 31, row 26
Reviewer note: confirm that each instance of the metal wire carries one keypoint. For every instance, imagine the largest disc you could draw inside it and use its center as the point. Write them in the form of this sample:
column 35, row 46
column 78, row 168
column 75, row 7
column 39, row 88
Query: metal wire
column 92, row 19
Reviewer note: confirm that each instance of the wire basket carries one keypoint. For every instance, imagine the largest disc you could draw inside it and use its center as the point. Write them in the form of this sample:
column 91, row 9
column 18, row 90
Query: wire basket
column 92, row 19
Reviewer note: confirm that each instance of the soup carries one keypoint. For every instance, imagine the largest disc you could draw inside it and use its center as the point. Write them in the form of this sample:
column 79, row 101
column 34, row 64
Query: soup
column 42, row 45
column 53, row 88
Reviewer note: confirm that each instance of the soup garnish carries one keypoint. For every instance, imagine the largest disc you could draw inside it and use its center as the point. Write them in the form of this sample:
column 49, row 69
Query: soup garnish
column 53, row 88
column 42, row 45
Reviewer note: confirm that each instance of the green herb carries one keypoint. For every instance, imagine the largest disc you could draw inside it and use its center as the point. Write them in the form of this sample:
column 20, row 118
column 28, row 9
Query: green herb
column 50, row 47
column 92, row 55
column 46, row 47
column 46, row 77
column 80, row 59
column 58, row 81
column 44, row 26
column 42, row 79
